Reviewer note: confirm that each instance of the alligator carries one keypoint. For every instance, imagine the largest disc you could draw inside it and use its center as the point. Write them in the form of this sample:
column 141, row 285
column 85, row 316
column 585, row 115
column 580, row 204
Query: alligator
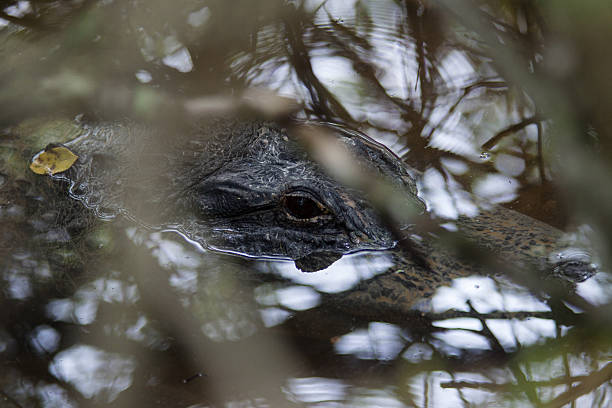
column 251, row 188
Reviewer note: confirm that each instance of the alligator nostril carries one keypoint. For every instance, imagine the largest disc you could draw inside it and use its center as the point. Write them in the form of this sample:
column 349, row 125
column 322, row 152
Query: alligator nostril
column 575, row 271
column 573, row 264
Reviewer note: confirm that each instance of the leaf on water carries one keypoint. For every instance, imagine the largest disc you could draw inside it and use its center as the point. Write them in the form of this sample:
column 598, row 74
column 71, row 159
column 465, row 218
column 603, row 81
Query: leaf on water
column 54, row 159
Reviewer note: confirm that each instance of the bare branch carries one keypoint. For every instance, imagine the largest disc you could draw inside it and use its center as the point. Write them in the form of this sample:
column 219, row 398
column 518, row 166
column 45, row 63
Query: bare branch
column 510, row 130
column 590, row 383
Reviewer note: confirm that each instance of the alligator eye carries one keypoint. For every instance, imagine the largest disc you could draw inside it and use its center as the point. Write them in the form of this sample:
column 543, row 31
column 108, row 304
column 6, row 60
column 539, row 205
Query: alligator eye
column 301, row 206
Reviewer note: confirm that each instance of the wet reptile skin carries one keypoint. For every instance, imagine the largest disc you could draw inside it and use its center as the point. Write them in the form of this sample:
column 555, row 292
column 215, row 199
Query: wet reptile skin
column 230, row 186
column 511, row 240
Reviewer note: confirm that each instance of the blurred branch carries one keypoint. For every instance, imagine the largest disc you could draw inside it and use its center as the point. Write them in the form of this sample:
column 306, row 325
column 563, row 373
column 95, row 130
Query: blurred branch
column 395, row 209
column 82, row 93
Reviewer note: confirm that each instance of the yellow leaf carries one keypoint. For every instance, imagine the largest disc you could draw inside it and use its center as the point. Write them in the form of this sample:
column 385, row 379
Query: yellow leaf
column 53, row 160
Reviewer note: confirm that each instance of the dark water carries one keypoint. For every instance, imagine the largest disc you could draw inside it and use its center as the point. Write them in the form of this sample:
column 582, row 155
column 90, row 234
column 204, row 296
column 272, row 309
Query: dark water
column 110, row 313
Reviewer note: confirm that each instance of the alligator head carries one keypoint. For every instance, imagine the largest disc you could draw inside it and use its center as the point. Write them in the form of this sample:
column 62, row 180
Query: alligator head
column 242, row 187
column 250, row 188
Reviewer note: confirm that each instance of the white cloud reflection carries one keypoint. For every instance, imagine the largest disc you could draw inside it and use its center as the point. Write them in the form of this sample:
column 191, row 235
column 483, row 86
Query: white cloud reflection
column 497, row 188
column 44, row 339
column 445, row 197
column 298, row 297
column 179, row 60
column 82, row 307
column 342, row 275
column 273, row 316
column 316, row 389
column 199, row 17
column 380, row 341
column 94, row 372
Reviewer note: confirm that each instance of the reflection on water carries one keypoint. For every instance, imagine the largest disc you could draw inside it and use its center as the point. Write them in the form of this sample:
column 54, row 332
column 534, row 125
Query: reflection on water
column 93, row 372
column 446, row 198
column 380, row 341
column 342, row 275
column 474, row 316
column 114, row 314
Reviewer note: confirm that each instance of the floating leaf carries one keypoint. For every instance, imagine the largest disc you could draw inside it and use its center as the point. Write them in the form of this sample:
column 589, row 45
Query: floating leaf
column 54, row 159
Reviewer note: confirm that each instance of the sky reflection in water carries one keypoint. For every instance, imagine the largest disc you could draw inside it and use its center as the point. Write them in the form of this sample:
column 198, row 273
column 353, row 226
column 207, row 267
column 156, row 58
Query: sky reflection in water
column 225, row 311
column 94, row 372
column 99, row 374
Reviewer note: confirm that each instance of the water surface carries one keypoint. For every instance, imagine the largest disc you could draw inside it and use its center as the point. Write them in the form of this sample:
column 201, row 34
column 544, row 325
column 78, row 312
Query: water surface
column 110, row 313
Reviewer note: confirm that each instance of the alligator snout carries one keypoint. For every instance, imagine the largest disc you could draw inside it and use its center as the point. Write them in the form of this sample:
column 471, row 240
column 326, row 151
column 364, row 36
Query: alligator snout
column 573, row 264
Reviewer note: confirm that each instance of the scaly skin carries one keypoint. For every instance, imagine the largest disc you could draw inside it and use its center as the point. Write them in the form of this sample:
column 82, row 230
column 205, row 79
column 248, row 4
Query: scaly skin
column 233, row 185
column 503, row 239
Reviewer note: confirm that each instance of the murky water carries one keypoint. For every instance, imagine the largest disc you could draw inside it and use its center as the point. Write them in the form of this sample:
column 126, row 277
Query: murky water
column 107, row 311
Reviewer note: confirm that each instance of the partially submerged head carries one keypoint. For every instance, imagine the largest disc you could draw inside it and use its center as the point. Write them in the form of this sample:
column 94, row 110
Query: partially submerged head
column 271, row 199
column 242, row 187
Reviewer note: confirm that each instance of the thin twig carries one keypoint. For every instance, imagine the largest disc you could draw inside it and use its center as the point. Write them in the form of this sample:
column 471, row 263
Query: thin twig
column 453, row 314
column 7, row 398
column 510, row 130
column 323, row 101
column 592, row 381
column 466, row 91
column 513, row 365
column 368, row 73
column 510, row 386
